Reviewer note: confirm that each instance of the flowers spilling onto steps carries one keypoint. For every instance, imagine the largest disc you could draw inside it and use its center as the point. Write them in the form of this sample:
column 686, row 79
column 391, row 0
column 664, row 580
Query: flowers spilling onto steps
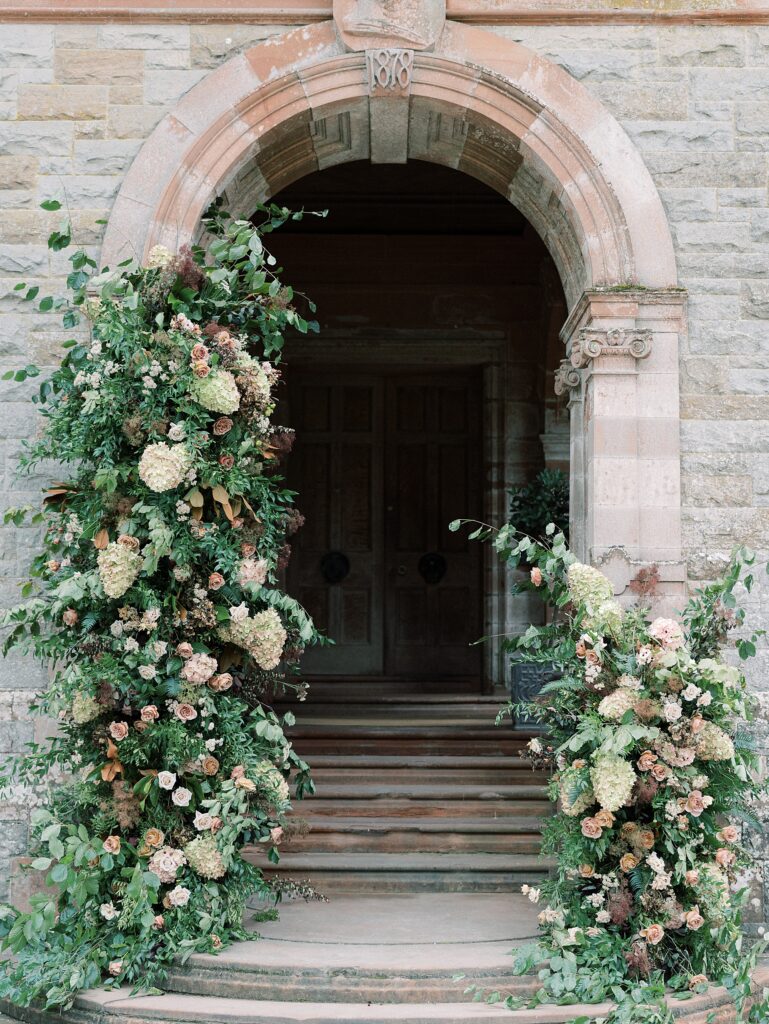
column 653, row 779
column 155, row 602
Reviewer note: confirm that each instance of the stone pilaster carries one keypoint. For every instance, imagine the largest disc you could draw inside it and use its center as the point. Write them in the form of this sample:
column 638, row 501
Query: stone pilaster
column 621, row 373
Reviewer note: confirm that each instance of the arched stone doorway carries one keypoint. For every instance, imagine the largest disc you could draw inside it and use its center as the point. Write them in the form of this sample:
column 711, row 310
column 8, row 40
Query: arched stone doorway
column 311, row 99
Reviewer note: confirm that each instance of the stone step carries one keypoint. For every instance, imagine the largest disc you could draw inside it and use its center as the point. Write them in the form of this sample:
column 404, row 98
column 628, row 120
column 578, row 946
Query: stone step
column 408, row 747
column 411, row 872
column 489, row 809
column 401, row 710
column 355, row 762
column 356, row 840
column 445, row 775
column 120, row 1008
column 448, row 792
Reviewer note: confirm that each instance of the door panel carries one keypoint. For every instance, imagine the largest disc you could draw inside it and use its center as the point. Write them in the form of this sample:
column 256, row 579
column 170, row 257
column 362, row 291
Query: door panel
column 433, row 475
column 383, row 462
column 336, row 467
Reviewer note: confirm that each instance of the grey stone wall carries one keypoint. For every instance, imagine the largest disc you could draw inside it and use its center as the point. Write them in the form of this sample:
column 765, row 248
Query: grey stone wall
column 76, row 102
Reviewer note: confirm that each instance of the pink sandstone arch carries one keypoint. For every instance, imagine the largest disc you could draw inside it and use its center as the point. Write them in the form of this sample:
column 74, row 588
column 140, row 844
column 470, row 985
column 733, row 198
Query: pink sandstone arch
column 486, row 106
column 493, row 109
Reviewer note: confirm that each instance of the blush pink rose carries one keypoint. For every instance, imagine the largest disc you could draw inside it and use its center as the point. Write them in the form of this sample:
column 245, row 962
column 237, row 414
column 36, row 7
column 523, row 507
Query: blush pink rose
column 149, row 713
column 591, row 829
column 118, row 730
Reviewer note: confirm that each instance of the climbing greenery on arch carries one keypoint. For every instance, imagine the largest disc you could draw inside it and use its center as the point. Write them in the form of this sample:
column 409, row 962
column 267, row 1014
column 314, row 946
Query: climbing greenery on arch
column 155, row 602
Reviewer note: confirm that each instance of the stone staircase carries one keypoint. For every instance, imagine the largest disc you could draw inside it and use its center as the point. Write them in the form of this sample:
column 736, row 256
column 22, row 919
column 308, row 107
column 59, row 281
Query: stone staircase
column 415, row 793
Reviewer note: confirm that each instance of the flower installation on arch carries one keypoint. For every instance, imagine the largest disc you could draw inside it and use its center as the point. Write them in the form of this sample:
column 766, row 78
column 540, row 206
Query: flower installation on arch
column 155, row 602
column 653, row 776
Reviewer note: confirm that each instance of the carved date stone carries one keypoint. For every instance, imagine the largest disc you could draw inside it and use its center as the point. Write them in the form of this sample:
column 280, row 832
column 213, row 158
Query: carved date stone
column 526, row 681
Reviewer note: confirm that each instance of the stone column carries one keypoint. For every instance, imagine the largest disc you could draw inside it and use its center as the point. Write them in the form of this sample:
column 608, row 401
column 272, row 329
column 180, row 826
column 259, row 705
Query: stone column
column 622, row 374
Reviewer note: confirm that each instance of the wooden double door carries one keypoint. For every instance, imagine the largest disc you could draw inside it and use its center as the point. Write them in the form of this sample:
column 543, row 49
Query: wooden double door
column 382, row 463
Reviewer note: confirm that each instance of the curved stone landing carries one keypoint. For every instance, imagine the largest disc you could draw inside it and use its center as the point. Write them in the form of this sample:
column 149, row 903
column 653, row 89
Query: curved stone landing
column 359, row 960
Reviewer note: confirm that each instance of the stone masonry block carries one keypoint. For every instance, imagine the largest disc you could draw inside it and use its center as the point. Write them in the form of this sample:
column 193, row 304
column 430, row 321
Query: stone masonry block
column 722, row 170
column 210, row 45
column 144, row 37
column 132, row 121
column 35, row 139
column 17, row 172
column 755, row 300
column 28, row 46
column 644, row 102
column 67, row 102
column 99, row 67
column 687, row 204
column 164, row 88
column 692, row 135
column 717, row 236
column 700, row 45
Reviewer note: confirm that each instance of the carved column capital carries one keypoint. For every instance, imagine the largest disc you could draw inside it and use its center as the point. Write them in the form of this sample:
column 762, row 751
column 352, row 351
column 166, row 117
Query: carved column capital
column 592, row 342
column 567, row 378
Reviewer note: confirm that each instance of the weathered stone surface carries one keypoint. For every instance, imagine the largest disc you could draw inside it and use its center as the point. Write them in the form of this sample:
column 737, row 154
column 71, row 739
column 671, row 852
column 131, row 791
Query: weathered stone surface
column 695, row 135
column 68, row 102
column 162, row 88
column 144, row 37
column 99, row 67
column 710, row 491
column 721, row 170
column 755, row 299
column 699, row 45
column 17, row 172
column 212, row 44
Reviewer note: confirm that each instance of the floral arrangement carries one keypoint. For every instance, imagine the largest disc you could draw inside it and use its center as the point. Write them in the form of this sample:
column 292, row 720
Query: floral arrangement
column 155, row 602
column 653, row 779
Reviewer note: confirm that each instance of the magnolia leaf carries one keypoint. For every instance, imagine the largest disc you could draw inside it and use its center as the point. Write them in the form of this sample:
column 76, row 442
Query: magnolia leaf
column 101, row 540
column 220, row 495
column 194, row 498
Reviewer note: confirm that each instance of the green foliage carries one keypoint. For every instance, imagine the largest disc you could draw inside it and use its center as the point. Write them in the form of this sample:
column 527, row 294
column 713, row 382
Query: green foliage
column 543, row 500
column 155, row 602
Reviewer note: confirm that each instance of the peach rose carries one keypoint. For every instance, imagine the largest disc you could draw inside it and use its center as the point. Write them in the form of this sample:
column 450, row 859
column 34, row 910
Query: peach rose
column 111, row 844
column 118, row 730
column 221, row 682
column 227, row 461
column 53, row 565
column 153, row 837
column 586, row 870
column 591, row 657
column 140, row 726
column 646, row 839
column 604, row 818
column 276, row 834
column 149, row 713
column 536, row 576
column 724, row 857
column 201, row 369
column 693, row 919
column 696, row 980
column 210, row 765
column 729, row 834
column 70, row 617
column 654, row 934
column 692, row 877
column 215, row 581
column 628, row 862
column 159, row 921
column 591, row 829
column 185, row 712
column 247, row 550
column 660, row 772
column 579, row 649
column 222, row 426
column 216, row 942
column 126, row 541
column 184, row 650
column 216, row 824
column 647, row 760
column 695, row 805
column 697, row 724
column 238, row 772
column 244, row 783
column 199, row 352
column 115, row 967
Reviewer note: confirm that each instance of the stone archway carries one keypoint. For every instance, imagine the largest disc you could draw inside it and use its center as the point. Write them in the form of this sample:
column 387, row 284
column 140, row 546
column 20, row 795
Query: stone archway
column 465, row 98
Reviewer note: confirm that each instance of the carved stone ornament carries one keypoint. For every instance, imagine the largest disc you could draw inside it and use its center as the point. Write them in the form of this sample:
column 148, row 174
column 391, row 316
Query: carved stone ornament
column 567, row 377
column 618, row 341
column 387, row 24
column 389, row 71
